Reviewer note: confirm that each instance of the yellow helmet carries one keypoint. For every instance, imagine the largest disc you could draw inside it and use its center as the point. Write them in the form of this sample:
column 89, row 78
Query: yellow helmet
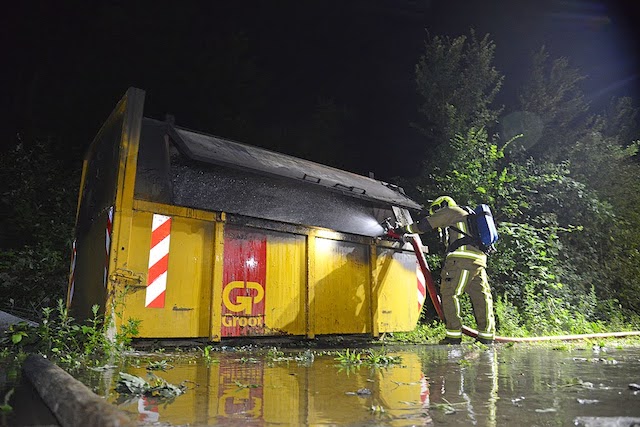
column 441, row 202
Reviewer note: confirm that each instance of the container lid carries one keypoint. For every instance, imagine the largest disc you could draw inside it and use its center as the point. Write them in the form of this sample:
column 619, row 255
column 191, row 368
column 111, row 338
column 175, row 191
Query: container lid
column 224, row 152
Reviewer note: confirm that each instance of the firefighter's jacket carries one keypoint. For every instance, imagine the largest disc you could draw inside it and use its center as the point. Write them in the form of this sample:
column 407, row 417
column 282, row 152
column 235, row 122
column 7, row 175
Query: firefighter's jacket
column 456, row 216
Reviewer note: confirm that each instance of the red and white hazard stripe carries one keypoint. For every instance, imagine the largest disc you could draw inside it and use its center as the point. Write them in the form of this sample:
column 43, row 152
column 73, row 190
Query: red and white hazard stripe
column 424, row 391
column 422, row 288
column 158, row 261
column 148, row 410
column 107, row 245
column 72, row 273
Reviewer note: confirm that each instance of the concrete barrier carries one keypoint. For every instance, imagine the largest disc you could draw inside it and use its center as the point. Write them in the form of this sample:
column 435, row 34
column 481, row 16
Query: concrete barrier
column 71, row 402
column 6, row 320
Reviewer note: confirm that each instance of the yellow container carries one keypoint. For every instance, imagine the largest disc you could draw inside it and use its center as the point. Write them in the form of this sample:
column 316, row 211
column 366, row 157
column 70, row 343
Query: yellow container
column 201, row 237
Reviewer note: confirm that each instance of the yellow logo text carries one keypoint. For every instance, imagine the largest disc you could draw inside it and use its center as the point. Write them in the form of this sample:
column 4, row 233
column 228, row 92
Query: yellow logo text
column 242, row 302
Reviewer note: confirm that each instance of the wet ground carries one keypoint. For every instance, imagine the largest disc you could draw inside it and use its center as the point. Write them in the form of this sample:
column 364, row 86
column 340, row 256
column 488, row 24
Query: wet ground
column 431, row 385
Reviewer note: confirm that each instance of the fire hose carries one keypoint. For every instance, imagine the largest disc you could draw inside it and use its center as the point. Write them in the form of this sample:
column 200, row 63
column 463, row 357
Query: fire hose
column 414, row 239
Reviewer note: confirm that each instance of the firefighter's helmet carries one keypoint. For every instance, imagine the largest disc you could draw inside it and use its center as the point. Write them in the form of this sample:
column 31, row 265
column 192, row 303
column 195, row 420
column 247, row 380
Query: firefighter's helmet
column 440, row 203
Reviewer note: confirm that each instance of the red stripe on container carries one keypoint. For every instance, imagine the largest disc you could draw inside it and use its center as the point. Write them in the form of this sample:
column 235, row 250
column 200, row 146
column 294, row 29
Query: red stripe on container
column 422, row 288
column 158, row 268
column 158, row 302
column 161, row 232
column 245, row 262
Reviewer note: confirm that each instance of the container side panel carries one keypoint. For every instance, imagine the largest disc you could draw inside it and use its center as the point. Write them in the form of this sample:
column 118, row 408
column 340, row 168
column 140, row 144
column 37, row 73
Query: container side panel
column 185, row 311
column 244, row 283
column 89, row 286
column 99, row 187
column 152, row 171
column 342, row 287
column 286, row 275
column 398, row 308
column 96, row 199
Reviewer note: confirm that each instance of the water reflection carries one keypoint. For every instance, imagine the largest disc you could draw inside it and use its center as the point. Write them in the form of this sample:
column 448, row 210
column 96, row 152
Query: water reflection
column 434, row 385
column 466, row 385
column 238, row 389
column 528, row 385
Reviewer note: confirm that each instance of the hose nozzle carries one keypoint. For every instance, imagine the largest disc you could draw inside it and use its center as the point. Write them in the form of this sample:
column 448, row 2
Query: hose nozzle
column 386, row 224
column 390, row 230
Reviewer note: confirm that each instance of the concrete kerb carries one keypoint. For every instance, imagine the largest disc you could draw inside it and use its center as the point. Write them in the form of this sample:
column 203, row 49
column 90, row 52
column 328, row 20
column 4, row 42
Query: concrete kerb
column 6, row 320
column 71, row 402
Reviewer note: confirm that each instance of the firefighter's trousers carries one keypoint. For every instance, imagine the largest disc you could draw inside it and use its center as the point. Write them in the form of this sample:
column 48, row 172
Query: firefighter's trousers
column 466, row 275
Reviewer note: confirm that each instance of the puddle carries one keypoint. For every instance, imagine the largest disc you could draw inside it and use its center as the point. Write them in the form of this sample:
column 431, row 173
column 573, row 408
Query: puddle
column 433, row 385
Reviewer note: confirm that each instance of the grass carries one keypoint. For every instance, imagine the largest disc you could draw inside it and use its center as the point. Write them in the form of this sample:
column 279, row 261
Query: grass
column 368, row 357
column 424, row 333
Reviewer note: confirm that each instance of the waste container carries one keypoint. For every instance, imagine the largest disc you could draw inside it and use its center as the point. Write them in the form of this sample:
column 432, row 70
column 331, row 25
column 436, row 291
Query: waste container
column 202, row 237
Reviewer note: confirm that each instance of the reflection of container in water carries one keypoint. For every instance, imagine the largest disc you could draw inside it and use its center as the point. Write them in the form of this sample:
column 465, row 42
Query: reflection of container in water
column 148, row 410
column 247, row 389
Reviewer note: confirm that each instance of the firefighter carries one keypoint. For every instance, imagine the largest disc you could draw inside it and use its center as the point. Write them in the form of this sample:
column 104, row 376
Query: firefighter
column 464, row 270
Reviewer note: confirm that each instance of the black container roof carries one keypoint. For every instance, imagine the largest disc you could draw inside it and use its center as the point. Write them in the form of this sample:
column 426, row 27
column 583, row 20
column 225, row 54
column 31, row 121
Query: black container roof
column 214, row 150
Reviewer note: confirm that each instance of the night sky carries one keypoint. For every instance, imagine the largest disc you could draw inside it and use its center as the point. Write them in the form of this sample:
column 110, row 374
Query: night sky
column 256, row 71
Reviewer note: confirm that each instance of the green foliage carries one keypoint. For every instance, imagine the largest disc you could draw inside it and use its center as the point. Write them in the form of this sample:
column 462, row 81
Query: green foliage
column 620, row 121
column 508, row 320
column 242, row 385
column 349, row 357
column 380, row 357
column 207, row 354
column 599, row 189
column 368, row 357
column 553, row 93
column 458, row 82
column 466, row 311
column 31, row 276
column 128, row 329
column 424, row 333
column 612, row 235
column 159, row 365
column 37, row 205
column 473, row 164
column 275, row 355
column 17, row 335
column 568, row 217
column 525, row 256
column 6, row 407
column 59, row 336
